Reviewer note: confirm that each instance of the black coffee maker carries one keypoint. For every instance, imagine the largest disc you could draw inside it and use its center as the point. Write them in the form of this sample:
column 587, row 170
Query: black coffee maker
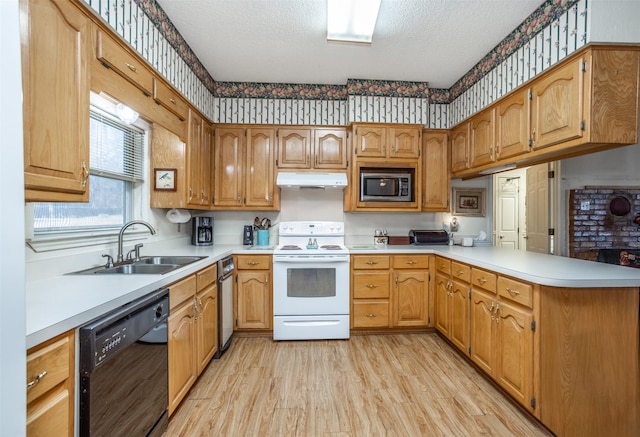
column 247, row 236
column 202, row 231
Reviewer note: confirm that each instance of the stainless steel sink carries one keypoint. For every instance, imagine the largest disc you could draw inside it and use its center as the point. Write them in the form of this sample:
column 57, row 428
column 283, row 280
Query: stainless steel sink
column 148, row 265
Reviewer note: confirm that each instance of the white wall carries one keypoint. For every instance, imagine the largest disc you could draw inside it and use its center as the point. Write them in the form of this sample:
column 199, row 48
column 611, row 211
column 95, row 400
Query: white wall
column 12, row 295
column 614, row 21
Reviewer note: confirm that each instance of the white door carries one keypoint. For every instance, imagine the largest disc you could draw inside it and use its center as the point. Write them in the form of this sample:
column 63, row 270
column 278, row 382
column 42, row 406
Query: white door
column 507, row 209
column 537, row 211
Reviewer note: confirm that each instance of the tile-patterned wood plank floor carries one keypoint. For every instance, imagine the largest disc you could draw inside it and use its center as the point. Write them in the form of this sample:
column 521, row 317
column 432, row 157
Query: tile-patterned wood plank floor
column 374, row 385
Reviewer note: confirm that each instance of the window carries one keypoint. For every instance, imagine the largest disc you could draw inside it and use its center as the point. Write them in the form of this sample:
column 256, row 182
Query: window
column 116, row 169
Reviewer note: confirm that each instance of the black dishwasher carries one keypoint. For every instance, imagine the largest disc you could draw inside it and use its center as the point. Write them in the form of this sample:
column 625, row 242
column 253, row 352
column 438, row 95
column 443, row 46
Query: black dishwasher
column 123, row 370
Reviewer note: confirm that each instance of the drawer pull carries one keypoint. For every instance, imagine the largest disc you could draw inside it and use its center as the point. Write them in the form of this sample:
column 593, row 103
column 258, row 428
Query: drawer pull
column 442, row 266
column 37, row 379
column 410, row 262
column 371, row 286
column 253, row 263
column 131, row 67
column 482, row 280
column 513, row 292
column 371, row 315
column 372, row 263
column 172, row 101
column 459, row 272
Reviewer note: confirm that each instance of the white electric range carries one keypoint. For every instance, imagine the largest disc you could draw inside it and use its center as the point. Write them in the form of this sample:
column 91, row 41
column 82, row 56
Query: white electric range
column 310, row 282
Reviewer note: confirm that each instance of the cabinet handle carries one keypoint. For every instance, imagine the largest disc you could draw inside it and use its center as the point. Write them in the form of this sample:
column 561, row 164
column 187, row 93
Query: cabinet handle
column 411, row 262
column 190, row 194
column 371, row 286
column 195, row 308
column 371, row 315
column 496, row 313
column 372, row 263
column 131, row 67
column 239, row 198
column 459, row 272
column 396, row 280
column 172, row 101
column 37, row 379
column 442, row 266
column 513, row 292
column 266, row 279
column 85, row 174
column 253, row 263
column 482, row 280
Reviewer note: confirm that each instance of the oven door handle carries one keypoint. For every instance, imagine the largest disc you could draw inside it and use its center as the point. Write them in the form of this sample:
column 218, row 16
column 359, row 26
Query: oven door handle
column 309, row 260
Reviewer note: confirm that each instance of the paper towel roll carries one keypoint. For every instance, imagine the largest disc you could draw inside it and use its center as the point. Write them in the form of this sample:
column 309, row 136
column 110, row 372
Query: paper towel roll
column 178, row 215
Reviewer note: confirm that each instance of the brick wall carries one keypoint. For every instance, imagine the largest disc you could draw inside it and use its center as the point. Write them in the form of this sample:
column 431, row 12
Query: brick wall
column 598, row 228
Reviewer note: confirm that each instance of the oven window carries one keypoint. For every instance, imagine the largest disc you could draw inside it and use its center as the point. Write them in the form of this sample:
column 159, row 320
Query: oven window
column 311, row 282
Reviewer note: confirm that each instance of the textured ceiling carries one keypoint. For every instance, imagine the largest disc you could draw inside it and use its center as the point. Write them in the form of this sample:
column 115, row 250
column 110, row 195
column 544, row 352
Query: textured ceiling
column 284, row 41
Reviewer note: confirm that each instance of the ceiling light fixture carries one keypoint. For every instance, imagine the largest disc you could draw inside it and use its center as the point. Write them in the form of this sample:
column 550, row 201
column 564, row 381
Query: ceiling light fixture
column 352, row 20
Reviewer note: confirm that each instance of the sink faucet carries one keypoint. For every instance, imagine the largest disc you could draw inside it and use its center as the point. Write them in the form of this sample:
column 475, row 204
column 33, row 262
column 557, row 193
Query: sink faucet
column 121, row 234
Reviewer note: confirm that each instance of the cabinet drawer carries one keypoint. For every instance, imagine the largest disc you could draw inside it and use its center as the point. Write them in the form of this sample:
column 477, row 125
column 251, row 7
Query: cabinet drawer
column 114, row 56
column 48, row 366
column 366, row 262
column 206, row 277
column 460, row 271
column 181, row 291
column 483, row 279
column 443, row 265
column 253, row 262
column 370, row 314
column 169, row 99
column 411, row 262
column 516, row 291
column 372, row 285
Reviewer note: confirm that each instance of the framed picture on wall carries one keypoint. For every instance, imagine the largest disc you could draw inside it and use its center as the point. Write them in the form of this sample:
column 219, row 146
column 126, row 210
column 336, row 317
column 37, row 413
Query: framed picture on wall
column 468, row 201
column 165, row 179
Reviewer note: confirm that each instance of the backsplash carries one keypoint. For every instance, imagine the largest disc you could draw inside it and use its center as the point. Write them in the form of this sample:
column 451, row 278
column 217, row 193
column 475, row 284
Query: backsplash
column 597, row 227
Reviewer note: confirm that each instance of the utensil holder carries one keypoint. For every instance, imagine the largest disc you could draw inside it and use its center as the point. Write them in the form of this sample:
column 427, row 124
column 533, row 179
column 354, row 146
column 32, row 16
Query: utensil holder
column 263, row 237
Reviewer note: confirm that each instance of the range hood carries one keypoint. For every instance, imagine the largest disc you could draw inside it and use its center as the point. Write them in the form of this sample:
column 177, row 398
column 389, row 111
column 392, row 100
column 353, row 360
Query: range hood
column 333, row 180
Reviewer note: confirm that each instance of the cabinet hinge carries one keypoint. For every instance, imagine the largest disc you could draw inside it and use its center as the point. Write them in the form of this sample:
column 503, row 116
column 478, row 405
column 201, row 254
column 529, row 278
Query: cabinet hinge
column 428, row 320
column 533, row 402
column 530, row 95
column 583, row 125
column 552, row 174
column 530, row 142
column 533, row 325
column 236, row 323
column 469, row 350
column 584, row 66
column 276, row 162
column 469, row 295
column 552, row 231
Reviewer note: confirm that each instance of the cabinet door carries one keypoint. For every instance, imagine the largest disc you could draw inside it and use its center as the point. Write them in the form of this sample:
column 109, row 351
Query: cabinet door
column 435, row 174
column 330, row 148
column 483, row 330
column 259, row 168
column 482, row 128
column 294, row 148
column 55, row 77
column 410, row 299
column 514, row 352
column 557, row 105
column 50, row 416
column 228, row 166
column 512, row 125
column 459, row 148
column 404, row 142
column 207, row 324
column 167, row 150
column 459, row 315
column 183, row 369
column 371, row 141
column 197, row 152
column 442, row 304
column 254, row 300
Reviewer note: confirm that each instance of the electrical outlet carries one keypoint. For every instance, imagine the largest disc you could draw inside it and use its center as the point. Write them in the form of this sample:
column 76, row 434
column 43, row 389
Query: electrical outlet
column 585, row 205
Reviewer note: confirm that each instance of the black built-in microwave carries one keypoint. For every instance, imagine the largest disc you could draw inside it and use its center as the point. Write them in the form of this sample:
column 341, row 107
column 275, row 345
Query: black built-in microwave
column 386, row 185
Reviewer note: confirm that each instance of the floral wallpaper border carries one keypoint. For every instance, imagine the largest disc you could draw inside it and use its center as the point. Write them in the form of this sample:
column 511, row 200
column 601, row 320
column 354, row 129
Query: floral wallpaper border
column 294, row 91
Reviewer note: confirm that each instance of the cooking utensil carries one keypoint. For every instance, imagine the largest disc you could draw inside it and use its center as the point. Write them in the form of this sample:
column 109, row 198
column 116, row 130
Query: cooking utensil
column 265, row 223
column 256, row 223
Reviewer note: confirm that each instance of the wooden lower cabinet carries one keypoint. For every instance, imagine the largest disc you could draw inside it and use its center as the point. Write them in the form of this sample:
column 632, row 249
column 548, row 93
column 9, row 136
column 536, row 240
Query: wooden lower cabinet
column 410, row 291
column 51, row 387
column 193, row 331
column 254, row 296
column 452, row 310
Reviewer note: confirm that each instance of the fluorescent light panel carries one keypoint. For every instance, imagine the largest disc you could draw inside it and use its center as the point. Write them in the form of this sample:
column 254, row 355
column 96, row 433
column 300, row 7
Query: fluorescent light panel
column 351, row 20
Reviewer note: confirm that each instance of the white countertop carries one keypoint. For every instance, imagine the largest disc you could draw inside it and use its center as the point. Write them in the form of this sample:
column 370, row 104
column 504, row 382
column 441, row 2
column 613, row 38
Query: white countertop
column 60, row 303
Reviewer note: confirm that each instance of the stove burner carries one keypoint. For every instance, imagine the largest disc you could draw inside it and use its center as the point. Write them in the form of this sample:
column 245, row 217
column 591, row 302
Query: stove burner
column 290, row 247
column 330, row 247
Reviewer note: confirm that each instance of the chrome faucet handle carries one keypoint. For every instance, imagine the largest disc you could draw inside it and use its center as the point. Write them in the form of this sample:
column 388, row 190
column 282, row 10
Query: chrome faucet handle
column 136, row 249
column 109, row 263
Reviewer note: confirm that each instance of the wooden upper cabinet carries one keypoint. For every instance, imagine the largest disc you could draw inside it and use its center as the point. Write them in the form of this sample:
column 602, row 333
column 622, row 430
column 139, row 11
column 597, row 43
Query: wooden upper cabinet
column 557, row 105
column 512, row 125
column 198, row 162
column 294, row 148
column 167, row 150
column 55, row 77
column 165, row 96
column 259, row 168
column 460, row 147
column 112, row 55
column 435, row 173
column 370, row 141
column 228, row 166
column 482, row 142
column 404, row 142
column 330, row 148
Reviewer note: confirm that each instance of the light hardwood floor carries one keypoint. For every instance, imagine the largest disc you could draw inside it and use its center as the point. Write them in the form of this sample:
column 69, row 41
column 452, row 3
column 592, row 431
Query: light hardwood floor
column 375, row 385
